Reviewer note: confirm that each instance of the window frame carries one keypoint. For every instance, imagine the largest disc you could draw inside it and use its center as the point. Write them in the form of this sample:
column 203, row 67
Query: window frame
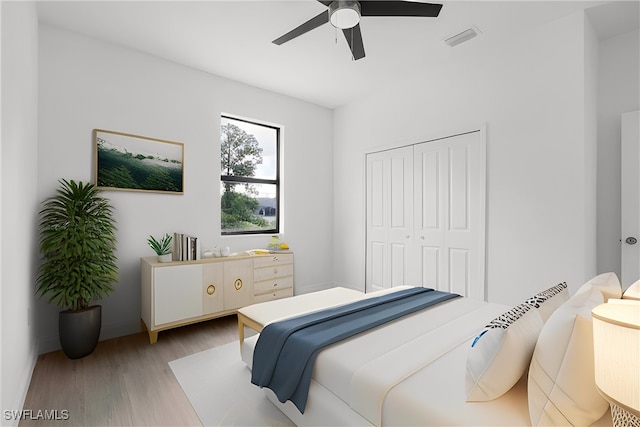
column 251, row 180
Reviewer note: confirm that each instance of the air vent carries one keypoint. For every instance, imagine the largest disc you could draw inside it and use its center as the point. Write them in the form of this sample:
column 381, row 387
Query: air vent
column 462, row 37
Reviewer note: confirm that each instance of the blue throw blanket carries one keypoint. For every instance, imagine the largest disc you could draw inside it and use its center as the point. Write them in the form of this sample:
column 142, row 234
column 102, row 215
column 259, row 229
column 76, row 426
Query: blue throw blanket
column 286, row 351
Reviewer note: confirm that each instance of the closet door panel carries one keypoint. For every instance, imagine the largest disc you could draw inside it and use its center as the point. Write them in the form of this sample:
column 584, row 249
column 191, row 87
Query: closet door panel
column 389, row 217
column 429, row 267
column 399, row 193
column 459, row 188
column 401, row 215
column 425, row 215
column 467, row 229
column 450, row 191
column 377, row 194
column 431, row 201
column 398, row 264
column 460, row 234
column 429, row 175
column 459, row 270
column 375, row 266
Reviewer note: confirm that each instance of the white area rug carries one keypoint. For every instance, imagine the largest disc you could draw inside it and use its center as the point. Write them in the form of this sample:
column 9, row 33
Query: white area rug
column 218, row 385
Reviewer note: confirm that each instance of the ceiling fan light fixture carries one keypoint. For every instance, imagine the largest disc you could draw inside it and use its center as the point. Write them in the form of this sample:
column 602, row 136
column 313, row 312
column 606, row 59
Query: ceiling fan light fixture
column 344, row 14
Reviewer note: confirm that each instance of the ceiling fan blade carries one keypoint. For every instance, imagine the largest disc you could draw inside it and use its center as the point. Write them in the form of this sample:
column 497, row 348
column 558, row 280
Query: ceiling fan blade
column 312, row 23
column 399, row 8
column 354, row 39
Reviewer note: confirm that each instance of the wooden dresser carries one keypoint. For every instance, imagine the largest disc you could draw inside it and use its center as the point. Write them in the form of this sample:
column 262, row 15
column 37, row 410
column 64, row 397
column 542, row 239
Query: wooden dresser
column 179, row 293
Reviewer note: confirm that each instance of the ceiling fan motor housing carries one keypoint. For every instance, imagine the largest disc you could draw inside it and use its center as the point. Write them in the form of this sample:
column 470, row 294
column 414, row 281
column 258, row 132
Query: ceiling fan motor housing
column 344, row 14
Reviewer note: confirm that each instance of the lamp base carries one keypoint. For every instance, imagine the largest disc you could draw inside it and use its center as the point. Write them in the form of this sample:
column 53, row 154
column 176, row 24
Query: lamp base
column 622, row 418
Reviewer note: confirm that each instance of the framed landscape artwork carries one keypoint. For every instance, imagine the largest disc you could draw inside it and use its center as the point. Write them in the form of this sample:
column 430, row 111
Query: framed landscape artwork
column 138, row 163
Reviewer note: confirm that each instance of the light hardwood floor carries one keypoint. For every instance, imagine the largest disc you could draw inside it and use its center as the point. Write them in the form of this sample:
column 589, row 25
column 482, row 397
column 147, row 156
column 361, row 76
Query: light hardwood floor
column 125, row 382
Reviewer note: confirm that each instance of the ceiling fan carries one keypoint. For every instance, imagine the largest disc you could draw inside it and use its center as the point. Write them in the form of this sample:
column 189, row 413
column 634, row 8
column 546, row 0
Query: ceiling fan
column 345, row 15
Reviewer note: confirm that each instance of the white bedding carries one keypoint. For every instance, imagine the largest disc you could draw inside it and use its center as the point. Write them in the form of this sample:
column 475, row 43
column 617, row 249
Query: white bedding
column 408, row 372
column 393, row 365
column 360, row 371
column 436, row 397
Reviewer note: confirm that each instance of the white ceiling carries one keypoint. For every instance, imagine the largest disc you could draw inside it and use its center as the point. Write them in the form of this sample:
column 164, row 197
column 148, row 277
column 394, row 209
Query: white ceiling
column 232, row 39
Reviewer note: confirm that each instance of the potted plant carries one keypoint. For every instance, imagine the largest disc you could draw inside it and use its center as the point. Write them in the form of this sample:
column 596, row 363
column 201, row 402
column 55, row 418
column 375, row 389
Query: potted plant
column 77, row 242
column 162, row 248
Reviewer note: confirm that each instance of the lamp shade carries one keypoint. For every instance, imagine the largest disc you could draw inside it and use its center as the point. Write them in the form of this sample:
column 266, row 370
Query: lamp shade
column 616, row 340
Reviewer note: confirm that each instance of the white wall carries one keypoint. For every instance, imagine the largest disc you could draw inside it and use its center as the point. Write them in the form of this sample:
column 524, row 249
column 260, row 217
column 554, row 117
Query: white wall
column 87, row 84
column 18, row 197
column 590, row 151
column 619, row 92
column 530, row 91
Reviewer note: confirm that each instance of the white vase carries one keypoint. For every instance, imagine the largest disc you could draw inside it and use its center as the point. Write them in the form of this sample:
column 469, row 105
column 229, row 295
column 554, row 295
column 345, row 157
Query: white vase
column 164, row 258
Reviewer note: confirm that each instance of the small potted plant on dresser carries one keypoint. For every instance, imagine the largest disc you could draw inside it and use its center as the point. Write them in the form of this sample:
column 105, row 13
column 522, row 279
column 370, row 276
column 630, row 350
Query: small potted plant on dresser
column 78, row 243
column 162, row 248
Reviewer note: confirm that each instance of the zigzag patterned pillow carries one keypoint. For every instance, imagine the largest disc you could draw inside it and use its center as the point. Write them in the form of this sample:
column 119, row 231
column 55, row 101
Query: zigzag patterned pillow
column 502, row 351
column 549, row 300
column 507, row 319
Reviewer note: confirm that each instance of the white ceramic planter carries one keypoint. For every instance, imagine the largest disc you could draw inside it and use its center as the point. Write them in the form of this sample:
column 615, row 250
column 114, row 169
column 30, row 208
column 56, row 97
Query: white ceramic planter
column 164, row 258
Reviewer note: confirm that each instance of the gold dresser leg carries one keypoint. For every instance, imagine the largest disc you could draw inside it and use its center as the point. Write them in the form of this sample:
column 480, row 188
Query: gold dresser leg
column 241, row 328
column 153, row 335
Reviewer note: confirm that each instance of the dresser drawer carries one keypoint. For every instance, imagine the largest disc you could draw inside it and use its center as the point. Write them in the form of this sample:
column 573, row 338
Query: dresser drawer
column 275, row 259
column 272, row 272
column 272, row 285
column 282, row 293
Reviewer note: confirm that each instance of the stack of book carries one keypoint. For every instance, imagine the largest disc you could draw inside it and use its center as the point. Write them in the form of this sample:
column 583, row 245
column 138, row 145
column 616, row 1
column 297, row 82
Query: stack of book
column 185, row 248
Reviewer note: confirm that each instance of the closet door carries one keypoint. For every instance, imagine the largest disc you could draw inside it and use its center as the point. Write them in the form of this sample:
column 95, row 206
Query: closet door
column 389, row 218
column 450, row 215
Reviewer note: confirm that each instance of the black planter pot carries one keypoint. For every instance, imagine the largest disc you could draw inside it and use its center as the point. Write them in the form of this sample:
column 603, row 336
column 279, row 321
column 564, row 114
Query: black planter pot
column 79, row 331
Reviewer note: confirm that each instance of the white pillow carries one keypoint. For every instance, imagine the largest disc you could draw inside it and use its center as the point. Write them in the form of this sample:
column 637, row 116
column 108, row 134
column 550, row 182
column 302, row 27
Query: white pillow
column 632, row 292
column 561, row 383
column 500, row 354
column 607, row 283
column 547, row 301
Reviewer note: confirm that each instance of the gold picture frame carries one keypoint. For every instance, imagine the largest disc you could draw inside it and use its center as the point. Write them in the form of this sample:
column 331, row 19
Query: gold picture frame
column 138, row 163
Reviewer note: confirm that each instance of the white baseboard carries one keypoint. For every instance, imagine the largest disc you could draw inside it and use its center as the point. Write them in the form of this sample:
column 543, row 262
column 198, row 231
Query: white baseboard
column 306, row 289
column 13, row 418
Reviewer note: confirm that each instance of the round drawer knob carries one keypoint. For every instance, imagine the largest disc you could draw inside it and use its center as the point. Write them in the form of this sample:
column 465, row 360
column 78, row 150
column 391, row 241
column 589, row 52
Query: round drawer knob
column 237, row 284
column 211, row 289
column 275, row 271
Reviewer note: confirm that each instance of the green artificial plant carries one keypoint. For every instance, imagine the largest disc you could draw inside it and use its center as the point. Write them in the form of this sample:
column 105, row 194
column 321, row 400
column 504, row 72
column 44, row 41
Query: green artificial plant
column 78, row 242
column 162, row 247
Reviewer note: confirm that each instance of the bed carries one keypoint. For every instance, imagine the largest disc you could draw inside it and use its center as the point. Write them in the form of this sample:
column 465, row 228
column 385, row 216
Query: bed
column 421, row 369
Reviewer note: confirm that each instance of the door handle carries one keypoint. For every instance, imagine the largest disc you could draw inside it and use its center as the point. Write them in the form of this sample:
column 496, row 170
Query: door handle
column 631, row 240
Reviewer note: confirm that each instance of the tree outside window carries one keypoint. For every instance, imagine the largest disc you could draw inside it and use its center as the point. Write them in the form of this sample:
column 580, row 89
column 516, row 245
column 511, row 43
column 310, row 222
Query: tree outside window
column 249, row 165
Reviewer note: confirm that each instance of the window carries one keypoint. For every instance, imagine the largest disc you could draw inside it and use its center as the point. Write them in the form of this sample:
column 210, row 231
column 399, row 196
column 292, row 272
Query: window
column 249, row 177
